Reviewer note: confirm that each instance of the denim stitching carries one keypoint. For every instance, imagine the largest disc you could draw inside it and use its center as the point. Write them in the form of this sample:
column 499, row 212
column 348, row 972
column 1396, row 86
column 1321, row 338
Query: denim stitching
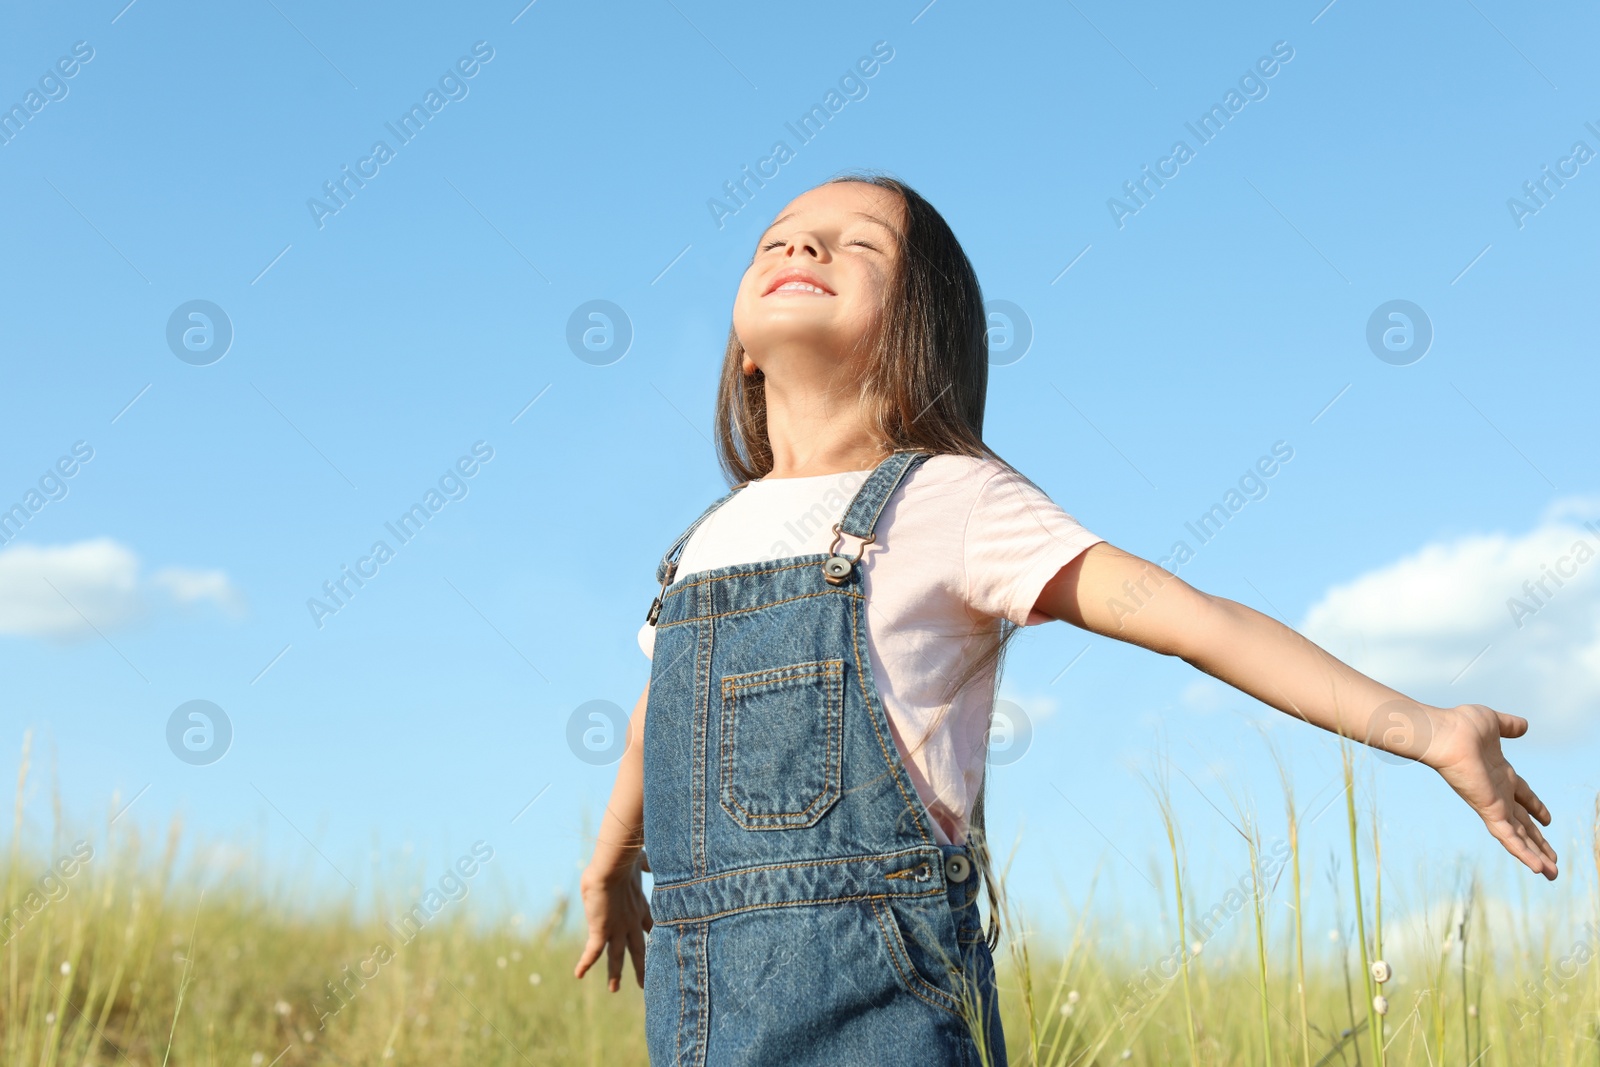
column 790, row 904
column 921, row 871
column 743, row 574
column 763, row 867
column 683, row 538
column 677, row 946
column 944, row 930
column 773, row 675
column 702, row 716
column 703, row 1038
column 832, row 755
column 768, row 604
column 894, row 478
column 895, row 944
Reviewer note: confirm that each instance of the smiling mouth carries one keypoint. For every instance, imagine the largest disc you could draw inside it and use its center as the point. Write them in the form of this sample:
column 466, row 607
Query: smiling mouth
column 803, row 288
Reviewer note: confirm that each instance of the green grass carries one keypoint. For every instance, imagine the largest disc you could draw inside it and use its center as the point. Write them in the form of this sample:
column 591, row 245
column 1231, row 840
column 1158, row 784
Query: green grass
column 1461, row 986
column 132, row 967
column 144, row 959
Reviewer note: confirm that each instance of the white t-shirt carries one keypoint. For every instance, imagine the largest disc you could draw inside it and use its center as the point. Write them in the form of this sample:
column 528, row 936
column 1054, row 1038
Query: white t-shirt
column 962, row 543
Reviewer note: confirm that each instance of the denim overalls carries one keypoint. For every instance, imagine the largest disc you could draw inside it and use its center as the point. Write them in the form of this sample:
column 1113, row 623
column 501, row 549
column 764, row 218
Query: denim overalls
column 804, row 912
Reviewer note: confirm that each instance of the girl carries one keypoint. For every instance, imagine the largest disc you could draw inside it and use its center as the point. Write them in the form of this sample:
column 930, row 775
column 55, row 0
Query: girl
column 806, row 764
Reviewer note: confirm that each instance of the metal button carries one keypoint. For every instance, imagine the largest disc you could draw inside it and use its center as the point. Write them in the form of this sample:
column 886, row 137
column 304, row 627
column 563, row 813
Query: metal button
column 836, row 567
column 957, row 867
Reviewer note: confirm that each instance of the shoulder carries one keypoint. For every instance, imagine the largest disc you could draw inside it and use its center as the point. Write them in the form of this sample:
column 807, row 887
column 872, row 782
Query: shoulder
column 982, row 481
column 977, row 497
column 944, row 489
column 991, row 499
column 950, row 470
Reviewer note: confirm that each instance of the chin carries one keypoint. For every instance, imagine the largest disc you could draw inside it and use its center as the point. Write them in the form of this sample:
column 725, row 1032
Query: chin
column 767, row 327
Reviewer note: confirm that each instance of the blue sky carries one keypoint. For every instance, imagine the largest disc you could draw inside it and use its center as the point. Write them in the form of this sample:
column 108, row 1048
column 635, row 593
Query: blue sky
column 1175, row 338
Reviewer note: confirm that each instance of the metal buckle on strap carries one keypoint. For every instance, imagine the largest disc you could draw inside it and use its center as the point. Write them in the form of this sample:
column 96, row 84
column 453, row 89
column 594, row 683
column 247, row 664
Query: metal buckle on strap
column 655, row 605
column 836, row 568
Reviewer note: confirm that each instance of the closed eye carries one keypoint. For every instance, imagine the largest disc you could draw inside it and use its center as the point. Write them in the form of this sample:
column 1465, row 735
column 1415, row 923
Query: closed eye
column 770, row 245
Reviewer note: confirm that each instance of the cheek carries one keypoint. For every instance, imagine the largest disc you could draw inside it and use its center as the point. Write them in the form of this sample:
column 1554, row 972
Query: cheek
column 742, row 307
column 749, row 294
column 873, row 295
column 858, row 325
column 747, row 280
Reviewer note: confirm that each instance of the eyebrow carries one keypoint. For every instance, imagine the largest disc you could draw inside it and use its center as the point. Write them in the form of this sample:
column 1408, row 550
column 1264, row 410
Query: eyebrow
column 862, row 214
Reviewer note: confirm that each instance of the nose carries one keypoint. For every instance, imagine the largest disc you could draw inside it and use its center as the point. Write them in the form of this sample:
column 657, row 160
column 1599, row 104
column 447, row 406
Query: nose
column 804, row 243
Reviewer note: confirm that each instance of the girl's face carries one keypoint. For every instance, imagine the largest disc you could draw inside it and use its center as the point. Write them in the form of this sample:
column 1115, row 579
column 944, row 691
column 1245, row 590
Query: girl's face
column 817, row 286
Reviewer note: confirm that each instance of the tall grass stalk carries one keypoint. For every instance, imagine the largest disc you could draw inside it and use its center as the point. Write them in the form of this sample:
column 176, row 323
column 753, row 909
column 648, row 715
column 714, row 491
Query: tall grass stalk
column 1062, row 1042
column 1594, row 852
column 1019, row 952
column 1248, row 827
column 1347, row 759
column 1292, row 821
column 1257, row 904
column 1377, row 909
column 1466, row 1001
column 1438, row 968
column 1169, row 819
column 183, row 983
column 14, row 988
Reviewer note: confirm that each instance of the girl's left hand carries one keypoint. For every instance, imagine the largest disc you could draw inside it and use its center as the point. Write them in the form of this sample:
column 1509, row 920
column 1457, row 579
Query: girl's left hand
column 1465, row 750
column 619, row 917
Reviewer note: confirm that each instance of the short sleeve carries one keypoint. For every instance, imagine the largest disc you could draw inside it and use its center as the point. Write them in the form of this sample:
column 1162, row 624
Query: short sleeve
column 1016, row 540
column 647, row 640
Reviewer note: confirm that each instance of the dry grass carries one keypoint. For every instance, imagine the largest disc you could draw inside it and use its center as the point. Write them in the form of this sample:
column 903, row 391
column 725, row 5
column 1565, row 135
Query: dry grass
column 128, row 960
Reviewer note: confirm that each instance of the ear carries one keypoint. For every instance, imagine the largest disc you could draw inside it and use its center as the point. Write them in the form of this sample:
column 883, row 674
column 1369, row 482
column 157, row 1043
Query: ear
column 748, row 365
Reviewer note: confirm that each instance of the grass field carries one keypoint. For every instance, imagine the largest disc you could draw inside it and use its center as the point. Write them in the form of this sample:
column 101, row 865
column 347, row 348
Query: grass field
column 112, row 954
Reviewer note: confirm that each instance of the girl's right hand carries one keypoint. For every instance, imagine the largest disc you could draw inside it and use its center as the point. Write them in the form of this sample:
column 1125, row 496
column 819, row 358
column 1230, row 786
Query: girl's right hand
column 1465, row 749
column 619, row 917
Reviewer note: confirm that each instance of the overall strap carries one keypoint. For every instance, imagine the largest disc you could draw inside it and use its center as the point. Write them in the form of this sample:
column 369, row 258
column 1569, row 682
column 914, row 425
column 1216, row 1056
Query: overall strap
column 669, row 561
column 861, row 517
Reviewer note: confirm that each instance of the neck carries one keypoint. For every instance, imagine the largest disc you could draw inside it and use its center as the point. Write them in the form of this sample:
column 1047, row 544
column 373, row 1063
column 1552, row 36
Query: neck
column 818, row 428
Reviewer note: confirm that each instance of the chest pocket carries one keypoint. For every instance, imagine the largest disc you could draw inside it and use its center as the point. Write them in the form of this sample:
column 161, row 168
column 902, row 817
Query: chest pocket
column 782, row 744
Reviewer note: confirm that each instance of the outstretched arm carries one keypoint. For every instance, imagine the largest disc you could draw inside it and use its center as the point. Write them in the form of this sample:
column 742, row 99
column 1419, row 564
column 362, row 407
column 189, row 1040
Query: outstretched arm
column 1113, row 593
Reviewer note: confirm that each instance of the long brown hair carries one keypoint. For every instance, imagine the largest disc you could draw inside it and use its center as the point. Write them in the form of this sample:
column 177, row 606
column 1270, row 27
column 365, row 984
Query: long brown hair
column 923, row 384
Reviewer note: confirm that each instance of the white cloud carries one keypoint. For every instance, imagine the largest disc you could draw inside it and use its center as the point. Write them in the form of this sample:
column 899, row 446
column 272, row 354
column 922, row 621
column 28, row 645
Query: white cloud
column 69, row 591
column 1418, row 935
column 194, row 587
column 1443, row 624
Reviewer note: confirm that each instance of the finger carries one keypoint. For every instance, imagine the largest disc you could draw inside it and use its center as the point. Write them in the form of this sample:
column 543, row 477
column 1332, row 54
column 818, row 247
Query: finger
column 1506, row 833
column 1525, row 796
column 591, row 952
column 636, row 948
column 644, row 860
column 649, row 922
column 1532, row 831
column 1532, row 840
column 615, row 951
column 1511, row 725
